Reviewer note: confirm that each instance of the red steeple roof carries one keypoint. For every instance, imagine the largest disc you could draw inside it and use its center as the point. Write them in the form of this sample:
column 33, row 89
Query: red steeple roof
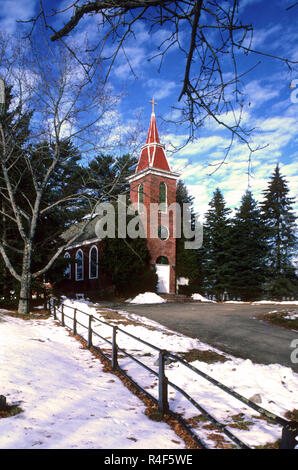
column 153, row 153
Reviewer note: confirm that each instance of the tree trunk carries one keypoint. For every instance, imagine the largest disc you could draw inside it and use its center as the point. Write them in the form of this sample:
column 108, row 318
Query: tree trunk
column 25, row 291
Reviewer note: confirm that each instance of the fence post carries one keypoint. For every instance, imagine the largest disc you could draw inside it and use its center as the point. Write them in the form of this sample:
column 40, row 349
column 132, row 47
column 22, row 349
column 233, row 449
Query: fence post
column 54, row 309
column 114, row 350
column 289, row 433
column 163, row 404
column 74, row 322
column 89, row 343
column 62, row 315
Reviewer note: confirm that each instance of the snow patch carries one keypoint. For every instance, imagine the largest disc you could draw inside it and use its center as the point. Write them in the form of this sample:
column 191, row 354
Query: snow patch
column 147, row 298
column 201, row 298
column 269, row 302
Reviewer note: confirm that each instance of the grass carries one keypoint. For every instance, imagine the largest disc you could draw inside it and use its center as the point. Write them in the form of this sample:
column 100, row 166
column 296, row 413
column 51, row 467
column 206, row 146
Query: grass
column 239, row 422
column 270, row 445
column 207, row 356
column 40, row 314
column 154, row 414
column 118, row 319
column 278, row 318
column 10, row 410
column 292, row 415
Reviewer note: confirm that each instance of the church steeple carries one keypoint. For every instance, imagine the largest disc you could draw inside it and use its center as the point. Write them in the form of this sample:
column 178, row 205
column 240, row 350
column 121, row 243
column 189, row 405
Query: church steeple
column 153, row 188
column 152, row 136
column 153, row 152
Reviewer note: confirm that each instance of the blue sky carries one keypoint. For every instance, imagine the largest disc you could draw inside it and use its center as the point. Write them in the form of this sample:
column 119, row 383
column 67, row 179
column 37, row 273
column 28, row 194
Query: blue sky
column 271, row 112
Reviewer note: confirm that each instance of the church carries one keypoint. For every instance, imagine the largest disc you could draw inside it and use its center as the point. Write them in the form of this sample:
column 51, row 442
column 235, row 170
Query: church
column 153, row 185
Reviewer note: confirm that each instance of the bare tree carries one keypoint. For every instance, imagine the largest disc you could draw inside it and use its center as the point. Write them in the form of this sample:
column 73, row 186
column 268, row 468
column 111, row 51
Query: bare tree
column 64, row 109
column 210, row 35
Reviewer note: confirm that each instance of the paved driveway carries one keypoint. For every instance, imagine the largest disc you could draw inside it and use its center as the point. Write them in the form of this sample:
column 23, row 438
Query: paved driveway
column 233, row 328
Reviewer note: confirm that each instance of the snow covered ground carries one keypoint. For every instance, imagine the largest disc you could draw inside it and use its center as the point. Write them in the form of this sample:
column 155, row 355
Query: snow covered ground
column 275, row 386
column 70, row 402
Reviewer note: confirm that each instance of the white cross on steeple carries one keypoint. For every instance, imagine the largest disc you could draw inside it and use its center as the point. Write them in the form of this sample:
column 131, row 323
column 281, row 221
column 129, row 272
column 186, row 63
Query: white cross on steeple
column 153, row 103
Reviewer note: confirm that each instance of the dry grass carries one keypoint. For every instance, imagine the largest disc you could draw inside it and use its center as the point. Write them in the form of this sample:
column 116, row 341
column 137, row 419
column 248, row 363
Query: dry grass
column 208, row 356
column 118, row 319
column 292, row 415
column 278, row 318
column 10, row 410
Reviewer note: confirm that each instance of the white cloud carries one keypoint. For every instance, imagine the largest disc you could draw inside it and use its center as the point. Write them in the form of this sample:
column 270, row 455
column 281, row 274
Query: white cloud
column 259, row 93
column 160, row 88
column 12, row 11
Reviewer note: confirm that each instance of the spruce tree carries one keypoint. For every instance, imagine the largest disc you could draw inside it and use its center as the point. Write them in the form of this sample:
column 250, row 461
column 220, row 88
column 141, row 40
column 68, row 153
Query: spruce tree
column 280, row 222
column 216, row 246
column 248, row 250
column 126, row 262
column 187, row 261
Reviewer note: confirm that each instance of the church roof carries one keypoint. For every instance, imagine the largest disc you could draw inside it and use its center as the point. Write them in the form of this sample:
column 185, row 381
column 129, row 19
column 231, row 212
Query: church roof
column 153, row 152
column 89, row 232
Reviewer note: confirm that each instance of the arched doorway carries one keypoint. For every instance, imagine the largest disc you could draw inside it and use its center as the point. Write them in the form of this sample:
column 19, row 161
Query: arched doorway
column 163, row 273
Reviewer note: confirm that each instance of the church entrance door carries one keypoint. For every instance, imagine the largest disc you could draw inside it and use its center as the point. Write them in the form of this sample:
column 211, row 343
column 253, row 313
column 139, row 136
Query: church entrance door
column 163, row 273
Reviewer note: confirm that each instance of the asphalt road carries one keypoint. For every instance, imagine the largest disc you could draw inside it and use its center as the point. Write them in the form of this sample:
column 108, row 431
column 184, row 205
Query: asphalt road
column 233, row 328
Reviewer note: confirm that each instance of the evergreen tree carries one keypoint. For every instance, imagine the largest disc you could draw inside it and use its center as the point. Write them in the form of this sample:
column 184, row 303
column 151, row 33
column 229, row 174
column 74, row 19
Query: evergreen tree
column 248, row 250
column 216, row 247
column 106, row 176
column 187, row 262
column 280, row 221
column 126, row 261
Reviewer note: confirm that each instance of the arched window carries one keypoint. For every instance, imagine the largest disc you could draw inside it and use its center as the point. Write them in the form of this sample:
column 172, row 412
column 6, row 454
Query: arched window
column 163, row 197
column 67, row 271
column 93, row 263
column 79, row 266
column 162, row 260
column 140, row 197
column 163, row 232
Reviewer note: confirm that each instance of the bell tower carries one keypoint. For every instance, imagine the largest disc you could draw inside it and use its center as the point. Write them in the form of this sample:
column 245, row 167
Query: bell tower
column 153, row 192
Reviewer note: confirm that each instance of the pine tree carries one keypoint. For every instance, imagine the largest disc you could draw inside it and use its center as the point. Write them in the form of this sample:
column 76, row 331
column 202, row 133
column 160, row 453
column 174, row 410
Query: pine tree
column 280, row 221
column 106, row 176
column 248, row 250
column 216, row 245
column 187, row 262
column 126, row 262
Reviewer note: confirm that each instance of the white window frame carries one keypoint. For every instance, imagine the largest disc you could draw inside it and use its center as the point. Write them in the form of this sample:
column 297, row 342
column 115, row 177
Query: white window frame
column 82, row 278
column 93, row 277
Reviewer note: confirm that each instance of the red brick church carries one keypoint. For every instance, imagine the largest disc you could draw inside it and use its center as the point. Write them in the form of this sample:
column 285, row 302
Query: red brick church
column 152, row 182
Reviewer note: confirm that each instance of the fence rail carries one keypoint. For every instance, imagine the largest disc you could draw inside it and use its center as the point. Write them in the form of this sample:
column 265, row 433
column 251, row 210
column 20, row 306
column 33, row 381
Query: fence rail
column 289, row 428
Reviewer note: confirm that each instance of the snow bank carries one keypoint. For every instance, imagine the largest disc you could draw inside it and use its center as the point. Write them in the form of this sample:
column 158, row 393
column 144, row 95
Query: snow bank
column 201, row 298
column 284, row 302
column 147, row 298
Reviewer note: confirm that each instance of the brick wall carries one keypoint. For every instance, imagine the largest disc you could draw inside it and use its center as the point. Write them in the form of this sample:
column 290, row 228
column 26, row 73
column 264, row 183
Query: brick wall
column 156, row 246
